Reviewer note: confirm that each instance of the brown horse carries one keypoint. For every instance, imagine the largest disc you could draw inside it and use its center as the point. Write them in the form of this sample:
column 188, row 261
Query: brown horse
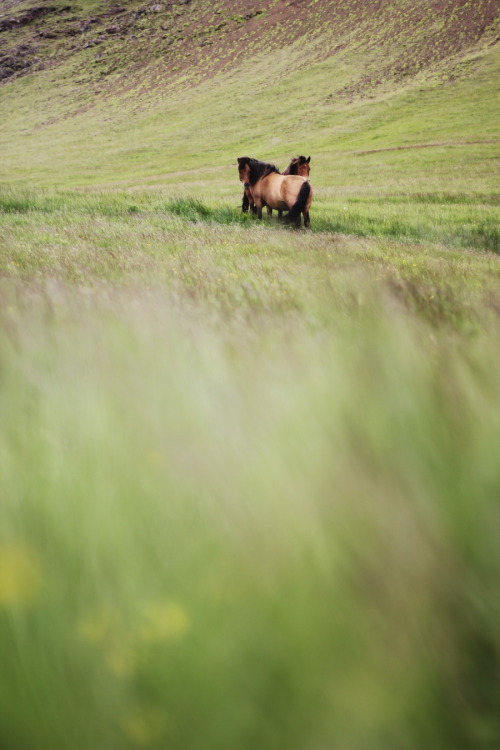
column 270, row 188
column 298, row 165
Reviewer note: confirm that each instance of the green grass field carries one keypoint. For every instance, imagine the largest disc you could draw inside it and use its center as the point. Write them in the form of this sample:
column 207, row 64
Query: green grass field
column 249, row 477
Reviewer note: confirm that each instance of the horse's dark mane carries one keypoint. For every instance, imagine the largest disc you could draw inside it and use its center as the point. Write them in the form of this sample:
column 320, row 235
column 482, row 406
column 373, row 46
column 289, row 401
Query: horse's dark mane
column 258, row 169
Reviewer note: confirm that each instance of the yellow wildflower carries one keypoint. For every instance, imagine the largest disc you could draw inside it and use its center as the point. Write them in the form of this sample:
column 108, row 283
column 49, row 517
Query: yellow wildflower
column 121, row 658
column 104, row 628
column 144, row 726
column 162, row 622
column 20, row 575
column 97, row 626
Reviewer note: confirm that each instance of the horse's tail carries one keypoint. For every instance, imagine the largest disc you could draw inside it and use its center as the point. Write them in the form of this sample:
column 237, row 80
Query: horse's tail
column 300, row 203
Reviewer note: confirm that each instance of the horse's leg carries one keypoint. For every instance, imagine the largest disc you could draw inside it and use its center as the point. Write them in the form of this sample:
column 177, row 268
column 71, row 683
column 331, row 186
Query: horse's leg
column 245, row 202
column 280, row 214
column 306, row 220
column 269, row 212
column 297, row 222
column 258, row 203
column 248, row 201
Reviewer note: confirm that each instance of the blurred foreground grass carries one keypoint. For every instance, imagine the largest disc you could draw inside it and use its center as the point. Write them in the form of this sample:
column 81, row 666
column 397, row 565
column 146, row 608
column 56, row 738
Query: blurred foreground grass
column 249, row 486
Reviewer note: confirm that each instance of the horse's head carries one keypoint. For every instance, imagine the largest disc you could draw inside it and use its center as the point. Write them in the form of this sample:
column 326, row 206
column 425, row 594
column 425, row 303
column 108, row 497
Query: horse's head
column 299, row 165
column 303, row 166
column 244, row 168
column 251, row 170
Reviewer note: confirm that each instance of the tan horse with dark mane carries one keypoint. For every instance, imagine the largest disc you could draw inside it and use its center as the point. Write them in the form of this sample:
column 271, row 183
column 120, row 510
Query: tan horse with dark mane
column 269, row 188
column 298, row 165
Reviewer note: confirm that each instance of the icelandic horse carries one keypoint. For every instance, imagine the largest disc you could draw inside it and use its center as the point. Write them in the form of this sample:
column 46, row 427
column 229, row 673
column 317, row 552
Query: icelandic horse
column 268, row 187
column 298, row 165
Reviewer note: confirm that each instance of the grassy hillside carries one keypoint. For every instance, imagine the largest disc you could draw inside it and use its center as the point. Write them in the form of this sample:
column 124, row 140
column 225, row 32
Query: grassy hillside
column 338, row 79
column 249, row 476
column 410, row 115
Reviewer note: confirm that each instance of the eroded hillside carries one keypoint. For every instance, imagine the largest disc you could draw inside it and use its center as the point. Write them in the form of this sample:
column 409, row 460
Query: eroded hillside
column 121, row 46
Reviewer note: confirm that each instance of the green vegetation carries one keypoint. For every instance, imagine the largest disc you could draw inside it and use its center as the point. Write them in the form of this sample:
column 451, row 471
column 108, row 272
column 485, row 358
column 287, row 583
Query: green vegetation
column 249, row 476
column 249, row 480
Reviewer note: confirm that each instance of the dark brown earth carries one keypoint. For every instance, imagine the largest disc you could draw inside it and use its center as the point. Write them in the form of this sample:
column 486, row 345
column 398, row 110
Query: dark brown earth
column 205, row 37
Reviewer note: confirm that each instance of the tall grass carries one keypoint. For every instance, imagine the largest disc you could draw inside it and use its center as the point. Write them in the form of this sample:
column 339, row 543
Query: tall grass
column 249, row 482
column 228, row 539
column 468, row 221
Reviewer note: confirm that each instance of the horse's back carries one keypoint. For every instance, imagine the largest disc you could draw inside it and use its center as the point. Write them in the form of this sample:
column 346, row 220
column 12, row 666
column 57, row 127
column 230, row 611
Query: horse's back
column 278, row 191
column 291, row 187
column 271, row 189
